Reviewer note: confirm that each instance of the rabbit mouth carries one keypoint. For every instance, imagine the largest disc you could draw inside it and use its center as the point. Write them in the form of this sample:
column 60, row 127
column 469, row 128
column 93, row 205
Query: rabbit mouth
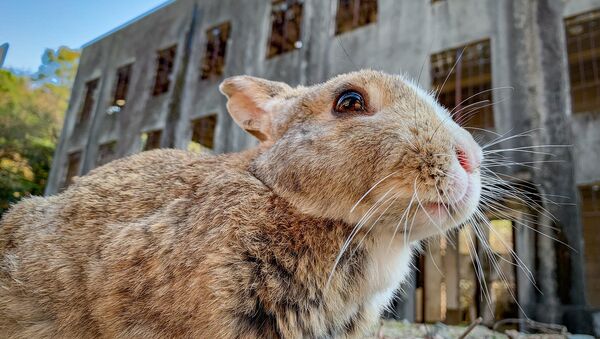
column 459, row 209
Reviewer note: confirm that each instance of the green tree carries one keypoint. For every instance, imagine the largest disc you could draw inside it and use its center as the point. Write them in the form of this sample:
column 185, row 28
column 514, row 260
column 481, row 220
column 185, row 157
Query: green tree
column 31, row 115
column 58, row 67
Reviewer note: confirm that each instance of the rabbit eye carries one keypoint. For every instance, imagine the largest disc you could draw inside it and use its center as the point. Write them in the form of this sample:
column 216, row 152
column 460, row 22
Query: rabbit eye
column 350, row 102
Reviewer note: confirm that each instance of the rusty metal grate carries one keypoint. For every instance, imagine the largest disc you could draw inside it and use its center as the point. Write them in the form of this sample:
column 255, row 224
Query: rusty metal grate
column 216, row 46
column 73, row 165
column 151, row 140
column 88, row 101
column 590, row 216
column 286, row 23
column 203, row 131
column 352, row 14
column 122, row 86
column 165, row 63
column 462, row 77
column 583, row 50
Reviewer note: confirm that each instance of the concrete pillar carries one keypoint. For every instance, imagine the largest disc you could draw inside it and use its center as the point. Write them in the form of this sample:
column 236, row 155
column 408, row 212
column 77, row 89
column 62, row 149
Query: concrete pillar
column 173, row 123
column 433, row 282
column 540, row 76
column 452, row 279
column 524, row 246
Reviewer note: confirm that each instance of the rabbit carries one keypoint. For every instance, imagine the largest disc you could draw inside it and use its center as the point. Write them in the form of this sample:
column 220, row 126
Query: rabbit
column 307, row 235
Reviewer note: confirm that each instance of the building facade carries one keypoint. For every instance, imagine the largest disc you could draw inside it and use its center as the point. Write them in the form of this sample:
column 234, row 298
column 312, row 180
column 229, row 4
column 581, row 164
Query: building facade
column 529, row 68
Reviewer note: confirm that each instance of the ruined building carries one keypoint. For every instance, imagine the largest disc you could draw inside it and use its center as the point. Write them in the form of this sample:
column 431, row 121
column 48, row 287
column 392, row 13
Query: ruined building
column 153, row 83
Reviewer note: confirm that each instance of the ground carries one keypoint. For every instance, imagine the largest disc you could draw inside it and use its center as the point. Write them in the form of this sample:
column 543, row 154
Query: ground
column 404, row 329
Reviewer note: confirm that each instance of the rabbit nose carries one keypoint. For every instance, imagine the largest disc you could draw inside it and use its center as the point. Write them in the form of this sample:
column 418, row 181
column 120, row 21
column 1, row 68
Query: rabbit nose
column 467, row 161
column 463, row 160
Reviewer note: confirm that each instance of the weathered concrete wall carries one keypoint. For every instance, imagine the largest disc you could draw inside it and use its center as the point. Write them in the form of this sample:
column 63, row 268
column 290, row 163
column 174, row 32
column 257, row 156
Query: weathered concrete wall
column 406, row 33
column 137, row 43
column 585, row 126
column 402, row 39
column 553, row 111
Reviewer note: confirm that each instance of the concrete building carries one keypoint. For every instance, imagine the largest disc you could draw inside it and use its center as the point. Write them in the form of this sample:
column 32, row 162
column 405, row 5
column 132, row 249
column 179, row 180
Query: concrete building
column 153, row 83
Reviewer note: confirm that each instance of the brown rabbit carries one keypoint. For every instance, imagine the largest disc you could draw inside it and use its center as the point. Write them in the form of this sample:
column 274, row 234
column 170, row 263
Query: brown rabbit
column 308, row 235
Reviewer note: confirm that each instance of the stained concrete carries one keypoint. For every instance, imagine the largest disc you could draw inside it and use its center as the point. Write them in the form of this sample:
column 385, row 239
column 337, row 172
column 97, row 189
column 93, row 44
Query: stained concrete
column 401, row 40
column 406, row 33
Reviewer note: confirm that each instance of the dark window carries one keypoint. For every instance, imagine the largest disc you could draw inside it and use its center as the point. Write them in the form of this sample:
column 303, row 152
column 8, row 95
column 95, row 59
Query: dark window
column 203, row 133
column 151, row 140
column 463, row 85
column 106, row 153
column 590, row 215
column 590, row 200
column 583, row 48
column 73, row 164
column 352, row 14
column 164, row 67
column 121, row 87
column 419, row 262
column 88, row 101
column 214, row 55
column 286, row 20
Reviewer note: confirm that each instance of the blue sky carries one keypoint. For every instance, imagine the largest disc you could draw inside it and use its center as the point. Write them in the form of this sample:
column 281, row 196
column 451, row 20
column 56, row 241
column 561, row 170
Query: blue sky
column 30, row 26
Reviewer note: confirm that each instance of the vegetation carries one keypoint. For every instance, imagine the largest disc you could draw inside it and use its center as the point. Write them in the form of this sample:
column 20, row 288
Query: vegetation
column 31, row 115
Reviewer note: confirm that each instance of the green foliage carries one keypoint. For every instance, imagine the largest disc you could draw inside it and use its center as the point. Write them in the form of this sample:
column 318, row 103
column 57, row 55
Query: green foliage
column 58, row 67
column 31, row 114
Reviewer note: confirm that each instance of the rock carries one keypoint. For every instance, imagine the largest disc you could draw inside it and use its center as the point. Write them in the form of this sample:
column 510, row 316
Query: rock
column 390, row 329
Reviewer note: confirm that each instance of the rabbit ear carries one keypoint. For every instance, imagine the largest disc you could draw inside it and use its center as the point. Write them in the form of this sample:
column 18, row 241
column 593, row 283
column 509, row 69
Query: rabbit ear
column 248, row 99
